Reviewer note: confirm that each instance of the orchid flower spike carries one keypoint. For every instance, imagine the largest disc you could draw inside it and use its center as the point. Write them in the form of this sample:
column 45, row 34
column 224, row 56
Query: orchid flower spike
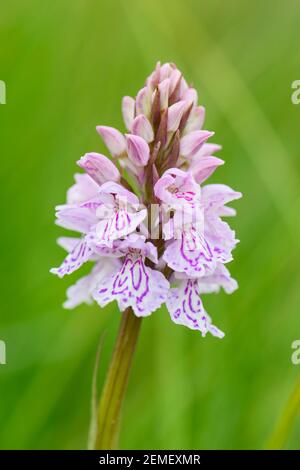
column 144, row 218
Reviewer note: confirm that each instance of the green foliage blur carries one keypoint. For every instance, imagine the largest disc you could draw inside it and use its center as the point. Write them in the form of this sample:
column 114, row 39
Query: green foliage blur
column 66, row 65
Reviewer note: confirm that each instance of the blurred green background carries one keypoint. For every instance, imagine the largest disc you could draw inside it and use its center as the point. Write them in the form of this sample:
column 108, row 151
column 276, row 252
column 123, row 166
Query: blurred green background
column 67, row 65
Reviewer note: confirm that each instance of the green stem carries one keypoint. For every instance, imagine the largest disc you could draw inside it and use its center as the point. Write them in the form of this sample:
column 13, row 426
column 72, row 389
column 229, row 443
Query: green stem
column 286, row 421
column 116, row 382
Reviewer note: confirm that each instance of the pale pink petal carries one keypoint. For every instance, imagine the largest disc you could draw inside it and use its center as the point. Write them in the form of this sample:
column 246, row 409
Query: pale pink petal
column 74, row 260
column 174, row 79
column 113, row 139
column 192, row 142
column 220, row 237
column 177, row 187
column 120, row 225
column 165, row 71
column 207, row 150
column 204, row 167
column 80, row 219
column 175, row 113
column 135, row 285
column 227, row 212
column 219, row 278
column 120, row 248
column 215, row 196
column 99, row 167
column 164, row 93
column 142, row 127
column 154, row 77
column 190, row 254
column 191, row 96
column 81, row 291
column 143, row 101
column 138, row 172
column 185, row 308
column 120, row 194
column 183, row 87
column 68, row 243
column 196, row 120
column 128, row 110
column 85, row 188
column 137, row 149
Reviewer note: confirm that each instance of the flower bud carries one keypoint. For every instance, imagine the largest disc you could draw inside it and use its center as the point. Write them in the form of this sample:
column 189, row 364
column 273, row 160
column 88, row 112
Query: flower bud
column 137, row 149
column 113, row 139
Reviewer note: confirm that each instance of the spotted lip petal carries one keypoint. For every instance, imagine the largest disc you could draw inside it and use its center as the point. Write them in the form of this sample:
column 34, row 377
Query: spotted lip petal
column 134, row 285
column 120, row 248
column 121, row 224
column 186, row 308
column 74, row 260
column 118, row 215
column 190, row 254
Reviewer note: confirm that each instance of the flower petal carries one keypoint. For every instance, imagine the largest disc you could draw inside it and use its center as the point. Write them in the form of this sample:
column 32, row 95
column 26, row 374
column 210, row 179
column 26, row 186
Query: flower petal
column 185, row 308
column 80, row 219
column 128, row 108
column 81, row 291
column 134, row 285
column 99, row 167
column 142, row 127
column 196, row 120
column 190, row 254
column 164, row 93
column 219, row 278
column 84, row 188
column 68, row 243
column 165, row 71
column 175, row 113
column 113, row 139
column 191, row 97
column 215, row 196
column 74, row 260
column 204, row 167
column 120, row 194
column 137, row 149
column 120, row 225
column 177, row 188
column 207, row 150
column 143, row 101
column 192, row 142
column 175, row 77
